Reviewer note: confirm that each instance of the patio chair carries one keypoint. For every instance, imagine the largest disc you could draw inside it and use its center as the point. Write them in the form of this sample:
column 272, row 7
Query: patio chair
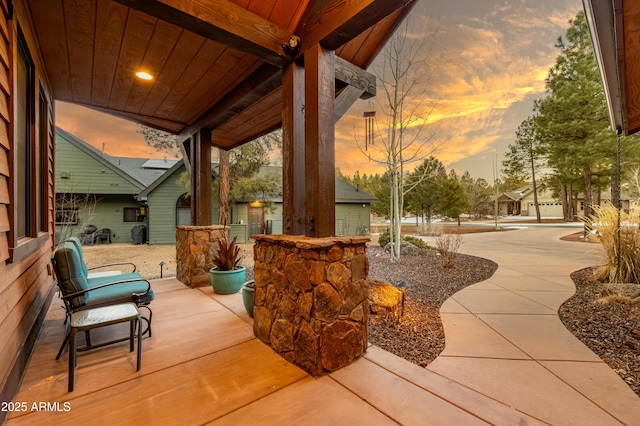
column 78, row 245
column 80, row 292
column 87, row 236
column 102, row 235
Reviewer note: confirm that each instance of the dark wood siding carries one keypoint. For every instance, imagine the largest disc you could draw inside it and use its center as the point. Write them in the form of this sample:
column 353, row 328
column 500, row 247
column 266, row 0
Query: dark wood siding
column 26, row 286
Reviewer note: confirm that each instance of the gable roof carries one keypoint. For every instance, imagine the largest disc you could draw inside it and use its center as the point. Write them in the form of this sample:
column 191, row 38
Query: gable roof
column 147, row 174
column 345, row 192
column 100, row 157
column 140, row 167
column 145, row 193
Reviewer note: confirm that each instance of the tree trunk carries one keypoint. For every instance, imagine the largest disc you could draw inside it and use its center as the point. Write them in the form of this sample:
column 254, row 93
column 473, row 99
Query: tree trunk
column 588, row 190
column 398, row 217
column 224, row 214
column 566, row 203
column 535, row 191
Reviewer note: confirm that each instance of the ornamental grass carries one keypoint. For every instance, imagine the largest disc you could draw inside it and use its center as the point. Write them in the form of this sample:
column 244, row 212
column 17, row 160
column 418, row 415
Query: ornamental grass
column 604, row 222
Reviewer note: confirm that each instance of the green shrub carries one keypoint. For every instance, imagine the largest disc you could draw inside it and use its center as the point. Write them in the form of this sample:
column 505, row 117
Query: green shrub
column 416, row 242
column 384, row 238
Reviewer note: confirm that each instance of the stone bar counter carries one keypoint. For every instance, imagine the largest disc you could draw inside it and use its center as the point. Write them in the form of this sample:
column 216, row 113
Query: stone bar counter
column 311, row 299
column 195, row 247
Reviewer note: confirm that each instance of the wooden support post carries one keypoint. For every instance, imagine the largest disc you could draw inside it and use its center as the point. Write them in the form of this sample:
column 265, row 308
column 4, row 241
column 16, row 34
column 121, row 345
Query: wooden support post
column 293, row 176
column 201, row 178
column 320, row 185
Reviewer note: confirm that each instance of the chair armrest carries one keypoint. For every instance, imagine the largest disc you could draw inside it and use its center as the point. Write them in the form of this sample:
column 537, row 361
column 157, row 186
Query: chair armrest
column 136, row 294
column 113, row 264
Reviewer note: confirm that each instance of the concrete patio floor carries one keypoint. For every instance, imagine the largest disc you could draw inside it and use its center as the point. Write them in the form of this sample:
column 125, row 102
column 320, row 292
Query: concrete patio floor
column 508, row 360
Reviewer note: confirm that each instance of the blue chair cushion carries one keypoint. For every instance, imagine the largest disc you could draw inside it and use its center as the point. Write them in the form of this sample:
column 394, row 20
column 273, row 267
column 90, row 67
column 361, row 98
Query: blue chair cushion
column 117, row 293
column 70, row 272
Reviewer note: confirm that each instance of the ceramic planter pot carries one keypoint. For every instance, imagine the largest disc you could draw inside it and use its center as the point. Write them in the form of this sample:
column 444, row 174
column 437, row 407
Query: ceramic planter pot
column 247, row 297
column 227, row 282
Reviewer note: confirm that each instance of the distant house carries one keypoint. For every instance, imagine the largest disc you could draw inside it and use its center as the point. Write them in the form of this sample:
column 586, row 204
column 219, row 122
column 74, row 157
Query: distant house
column 521, row 202
column 119, row 193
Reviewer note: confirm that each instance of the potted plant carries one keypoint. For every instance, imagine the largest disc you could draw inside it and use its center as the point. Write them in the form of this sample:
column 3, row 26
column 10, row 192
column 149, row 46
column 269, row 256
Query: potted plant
column 248, row 290
column 226, row 276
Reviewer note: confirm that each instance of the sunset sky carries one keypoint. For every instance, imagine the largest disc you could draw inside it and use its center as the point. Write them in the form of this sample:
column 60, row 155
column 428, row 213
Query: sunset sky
column 488, row 61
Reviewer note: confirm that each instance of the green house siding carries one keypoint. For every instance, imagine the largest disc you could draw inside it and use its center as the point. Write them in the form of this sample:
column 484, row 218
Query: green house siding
column 353, row 219
column 102, row 211
column 161, row 203
column 79, row 173
column 274, row 214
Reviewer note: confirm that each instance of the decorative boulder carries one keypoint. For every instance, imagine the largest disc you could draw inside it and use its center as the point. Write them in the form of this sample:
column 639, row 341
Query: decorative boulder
column 384, row 298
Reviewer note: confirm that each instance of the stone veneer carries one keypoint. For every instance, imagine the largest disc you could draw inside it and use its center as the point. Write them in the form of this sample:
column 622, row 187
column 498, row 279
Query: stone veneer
column 311, row 299
column 195, row 247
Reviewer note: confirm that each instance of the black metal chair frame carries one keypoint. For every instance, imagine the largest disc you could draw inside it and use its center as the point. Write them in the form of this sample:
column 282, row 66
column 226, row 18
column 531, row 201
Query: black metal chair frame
column 102, row 234
column 138, row 299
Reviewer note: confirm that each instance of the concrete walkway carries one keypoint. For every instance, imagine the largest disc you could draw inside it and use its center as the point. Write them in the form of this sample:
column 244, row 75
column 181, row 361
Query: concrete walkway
column 504, row 338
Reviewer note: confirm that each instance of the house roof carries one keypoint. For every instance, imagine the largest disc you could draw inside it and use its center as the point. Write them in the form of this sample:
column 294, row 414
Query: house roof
column 102, row 158
column 345, row 192
column 147, row 174
column 615, row 30
column 217, row 64
column 518, row 194
column 145, row 170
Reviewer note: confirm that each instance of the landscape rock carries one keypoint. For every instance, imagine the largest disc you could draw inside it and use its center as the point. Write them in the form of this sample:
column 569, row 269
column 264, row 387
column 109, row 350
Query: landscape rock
column 384, row 298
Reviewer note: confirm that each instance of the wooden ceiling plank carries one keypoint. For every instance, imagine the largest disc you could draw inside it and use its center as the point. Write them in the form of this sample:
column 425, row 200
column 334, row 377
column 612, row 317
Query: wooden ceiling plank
column 359, row 52
column 138, row 32
column 220, row 79
column 251, row 117
column 341, row 21
column 262, row 9
column 80, row 19
column 286, row 16
column 163, row 41
column 49, row 24
column 208, row 54
column 263, row 81
column 224, row 21
column 188, row 45
column 111, row 19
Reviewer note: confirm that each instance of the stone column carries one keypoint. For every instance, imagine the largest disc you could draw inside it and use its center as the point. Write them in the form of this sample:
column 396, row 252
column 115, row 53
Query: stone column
column 311, row 299
column 195, row 247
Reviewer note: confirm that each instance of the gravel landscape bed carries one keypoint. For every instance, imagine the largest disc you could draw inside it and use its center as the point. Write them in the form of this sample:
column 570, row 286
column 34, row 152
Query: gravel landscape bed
column 610, row 330
column 419, row 337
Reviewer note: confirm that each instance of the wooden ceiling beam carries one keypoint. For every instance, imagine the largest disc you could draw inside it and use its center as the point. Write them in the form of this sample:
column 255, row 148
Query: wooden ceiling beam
column 341, row 21
column 355, row 76
column 222, row 21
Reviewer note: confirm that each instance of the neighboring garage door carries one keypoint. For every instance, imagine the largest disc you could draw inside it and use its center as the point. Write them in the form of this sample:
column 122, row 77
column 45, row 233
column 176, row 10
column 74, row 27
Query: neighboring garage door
column 547, row 209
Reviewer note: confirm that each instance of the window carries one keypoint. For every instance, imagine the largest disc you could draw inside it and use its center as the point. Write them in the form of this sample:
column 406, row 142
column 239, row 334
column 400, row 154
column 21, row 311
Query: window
column 25, row 189
column 130, row 214
column 183, row 210
column 66, row 216
column 41, row 164
column 134, row 214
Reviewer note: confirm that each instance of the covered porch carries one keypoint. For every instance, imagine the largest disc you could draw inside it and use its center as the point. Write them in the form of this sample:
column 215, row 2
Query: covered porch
column 204, row 365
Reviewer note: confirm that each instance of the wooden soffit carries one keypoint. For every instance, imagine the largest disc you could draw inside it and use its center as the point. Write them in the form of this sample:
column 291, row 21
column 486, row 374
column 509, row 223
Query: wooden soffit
column 216, row 64
column 615, row 29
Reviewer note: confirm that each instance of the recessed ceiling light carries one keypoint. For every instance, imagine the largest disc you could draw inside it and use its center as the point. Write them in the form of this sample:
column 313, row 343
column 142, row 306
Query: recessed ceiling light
column 144, row 75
